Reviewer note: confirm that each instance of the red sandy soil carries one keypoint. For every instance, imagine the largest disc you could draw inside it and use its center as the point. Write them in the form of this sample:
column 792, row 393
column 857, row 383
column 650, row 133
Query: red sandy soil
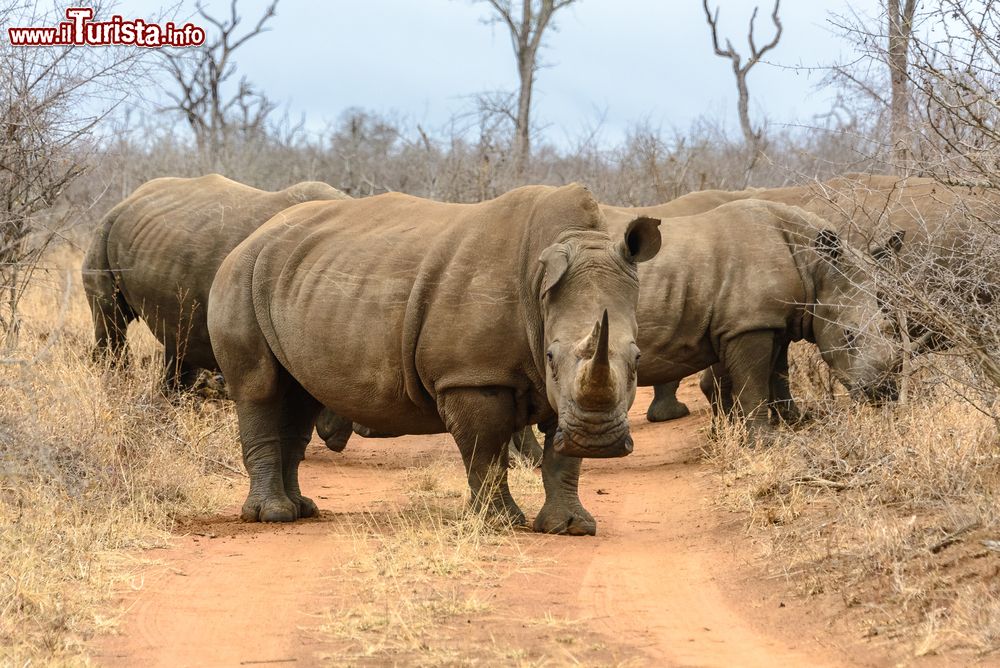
column 670, row 580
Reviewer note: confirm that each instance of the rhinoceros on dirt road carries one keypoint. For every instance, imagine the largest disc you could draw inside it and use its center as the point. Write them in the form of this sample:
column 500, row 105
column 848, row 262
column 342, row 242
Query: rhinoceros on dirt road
column 155, row 254
column 154, row 257
column 424, row 317
column 864, row 209
column 736, row 284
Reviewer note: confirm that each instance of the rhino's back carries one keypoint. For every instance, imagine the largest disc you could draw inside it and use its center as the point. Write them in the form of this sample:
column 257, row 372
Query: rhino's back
column 685, row 205
column 867, row 208
column 167, row 240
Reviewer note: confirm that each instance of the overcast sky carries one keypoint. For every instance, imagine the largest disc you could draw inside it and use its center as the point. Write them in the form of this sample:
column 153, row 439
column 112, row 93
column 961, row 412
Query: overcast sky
column 626, row 60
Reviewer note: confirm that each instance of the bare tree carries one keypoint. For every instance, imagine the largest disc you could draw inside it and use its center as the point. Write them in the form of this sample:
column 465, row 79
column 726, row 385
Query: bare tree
column 954, row 82
column 52, row 101
column 944, row 117
column 527, row 29
column 200, row 75
column 741, row 69
column 900, row 29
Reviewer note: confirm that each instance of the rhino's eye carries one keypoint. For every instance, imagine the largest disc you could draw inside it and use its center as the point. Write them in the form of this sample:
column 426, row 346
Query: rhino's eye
column 549, row 356
column 849, row 338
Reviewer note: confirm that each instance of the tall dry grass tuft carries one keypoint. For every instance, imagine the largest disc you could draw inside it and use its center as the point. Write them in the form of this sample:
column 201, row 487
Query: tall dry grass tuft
column 896, row 510
column 92, row 462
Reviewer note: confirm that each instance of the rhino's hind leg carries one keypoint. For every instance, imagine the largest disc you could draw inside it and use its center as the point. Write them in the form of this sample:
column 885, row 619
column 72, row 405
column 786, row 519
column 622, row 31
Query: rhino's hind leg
column 562, row 512
column 524, row 444
column 177, row 376
column 260, row 424
column 665, row 405
column 111, row 315
column 717, row 386
column 110, row 312
column 481, row 421
column 300, row 416
column 274, row 433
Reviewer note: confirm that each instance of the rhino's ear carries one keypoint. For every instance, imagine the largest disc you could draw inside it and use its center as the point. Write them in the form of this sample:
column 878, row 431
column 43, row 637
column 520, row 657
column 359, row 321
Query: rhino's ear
column 828, row 245
column 891, row 247
column 642, row 239
column 555, row 259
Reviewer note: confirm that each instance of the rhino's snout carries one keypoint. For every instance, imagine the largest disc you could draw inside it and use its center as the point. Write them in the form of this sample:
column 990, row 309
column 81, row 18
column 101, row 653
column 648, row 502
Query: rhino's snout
column 579, row 437
column 885, row 391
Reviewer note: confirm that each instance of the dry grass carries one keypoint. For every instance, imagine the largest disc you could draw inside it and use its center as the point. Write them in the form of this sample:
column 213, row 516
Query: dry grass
column 92, row 463
column 425, row 566
column 891, row 509
column 431, row 571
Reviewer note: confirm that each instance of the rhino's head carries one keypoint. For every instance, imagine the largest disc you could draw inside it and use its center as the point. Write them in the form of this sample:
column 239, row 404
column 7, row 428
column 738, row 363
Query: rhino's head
column 853, row 332
column 589, row 294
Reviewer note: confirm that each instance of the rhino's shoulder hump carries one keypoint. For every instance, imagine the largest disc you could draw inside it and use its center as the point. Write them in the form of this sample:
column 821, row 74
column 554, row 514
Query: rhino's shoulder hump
column 307, row 191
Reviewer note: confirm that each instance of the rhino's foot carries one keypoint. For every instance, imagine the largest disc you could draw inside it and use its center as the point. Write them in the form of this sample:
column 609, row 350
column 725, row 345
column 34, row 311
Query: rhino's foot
column 306, row 506
column 501, row 513
column 666, row 409
column 368, row 432
column 338, row 441
column 786, row 412
column 270, row 509
column 562, row 518
column 760, row 436
column 791, row 416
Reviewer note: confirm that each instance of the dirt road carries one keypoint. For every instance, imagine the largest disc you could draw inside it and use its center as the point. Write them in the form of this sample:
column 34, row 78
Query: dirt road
column 670, row 579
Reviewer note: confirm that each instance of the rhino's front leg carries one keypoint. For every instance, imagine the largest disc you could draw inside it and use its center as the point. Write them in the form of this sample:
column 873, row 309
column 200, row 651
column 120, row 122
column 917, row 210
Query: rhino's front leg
column 665, row 405
column 562, row 512
column 717, row 386
column 481, row 420
column 747, row 359
column 782, row 405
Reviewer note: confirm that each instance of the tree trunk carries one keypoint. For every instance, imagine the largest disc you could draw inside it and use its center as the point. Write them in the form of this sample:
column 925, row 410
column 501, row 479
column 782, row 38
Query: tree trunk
column 900, row 26
column 522, row 130
column 743, row 105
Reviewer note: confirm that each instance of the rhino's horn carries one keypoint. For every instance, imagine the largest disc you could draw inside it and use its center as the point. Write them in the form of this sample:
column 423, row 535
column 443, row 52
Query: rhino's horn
column 598, row 371
column 600, row 358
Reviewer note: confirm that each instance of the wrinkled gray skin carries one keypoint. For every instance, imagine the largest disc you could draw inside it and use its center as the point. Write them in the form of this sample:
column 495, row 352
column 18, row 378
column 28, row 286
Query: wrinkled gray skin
column 735, row 285
column 864, row 209
column 424, row 317
column 155, row 254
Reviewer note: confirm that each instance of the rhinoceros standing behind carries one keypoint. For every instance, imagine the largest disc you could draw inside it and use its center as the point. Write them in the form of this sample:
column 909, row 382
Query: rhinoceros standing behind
column 863, row 209
column 423, row 317
column 665, row 405
column 155, row 254
column 734, row 285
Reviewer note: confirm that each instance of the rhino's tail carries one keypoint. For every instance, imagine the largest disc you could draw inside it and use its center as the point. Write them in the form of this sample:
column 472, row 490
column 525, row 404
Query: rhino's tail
column 111, row 313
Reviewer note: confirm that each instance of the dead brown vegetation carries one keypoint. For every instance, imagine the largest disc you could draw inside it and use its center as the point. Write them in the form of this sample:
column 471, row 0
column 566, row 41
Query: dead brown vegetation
column 892, row 512
column 94, row 464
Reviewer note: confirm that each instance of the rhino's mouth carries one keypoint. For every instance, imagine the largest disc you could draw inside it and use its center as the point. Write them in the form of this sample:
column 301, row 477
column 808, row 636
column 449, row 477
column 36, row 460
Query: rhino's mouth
column 877, row 394
column 579, row 436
